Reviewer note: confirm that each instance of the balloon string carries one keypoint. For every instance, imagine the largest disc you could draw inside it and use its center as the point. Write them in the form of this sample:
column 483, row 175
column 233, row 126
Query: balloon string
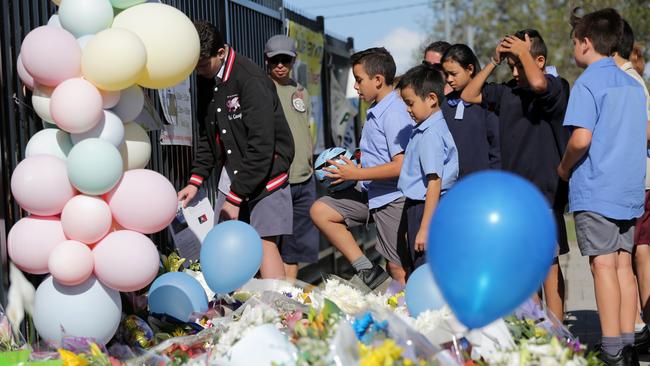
column 20, row 101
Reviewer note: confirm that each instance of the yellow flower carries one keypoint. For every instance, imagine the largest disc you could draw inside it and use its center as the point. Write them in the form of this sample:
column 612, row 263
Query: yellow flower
column 385, row 354
column 540, row 332
column 95, row 351
column 70, row 359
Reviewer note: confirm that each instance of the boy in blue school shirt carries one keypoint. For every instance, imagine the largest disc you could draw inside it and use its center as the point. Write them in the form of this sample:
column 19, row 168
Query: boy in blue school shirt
column 605, row 165
column 430, row 165
column 383, row 140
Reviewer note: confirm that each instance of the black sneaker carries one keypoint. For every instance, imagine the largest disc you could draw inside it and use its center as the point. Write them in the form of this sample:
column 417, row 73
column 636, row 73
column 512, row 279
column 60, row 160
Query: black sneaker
column 630, row 356
column 373, row 277
column 642, row 340
column 610, row 360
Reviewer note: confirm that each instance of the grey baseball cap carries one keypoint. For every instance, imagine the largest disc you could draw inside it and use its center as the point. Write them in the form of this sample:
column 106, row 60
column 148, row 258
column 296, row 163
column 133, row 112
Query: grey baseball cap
column 280, row 45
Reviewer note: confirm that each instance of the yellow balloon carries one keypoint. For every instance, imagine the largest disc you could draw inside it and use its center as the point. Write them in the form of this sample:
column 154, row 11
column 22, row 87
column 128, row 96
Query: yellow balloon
column 170, row 39
column 113, row 59
column 136, row 148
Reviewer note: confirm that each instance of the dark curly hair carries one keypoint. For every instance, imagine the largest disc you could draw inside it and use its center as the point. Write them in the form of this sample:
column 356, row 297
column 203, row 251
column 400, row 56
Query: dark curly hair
column 210, row 37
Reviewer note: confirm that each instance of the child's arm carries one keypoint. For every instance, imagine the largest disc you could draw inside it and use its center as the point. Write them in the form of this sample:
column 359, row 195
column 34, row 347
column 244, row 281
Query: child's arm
column 352, row 171
column 521, row 50
column 430, row 204
column 473, row 91
column 576, row 148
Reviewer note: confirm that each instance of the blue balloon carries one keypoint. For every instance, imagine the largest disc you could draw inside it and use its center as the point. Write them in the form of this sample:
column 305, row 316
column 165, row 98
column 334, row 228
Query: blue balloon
column 422, row 293
column 491, row 244
column 177, row 294
column 231, row 254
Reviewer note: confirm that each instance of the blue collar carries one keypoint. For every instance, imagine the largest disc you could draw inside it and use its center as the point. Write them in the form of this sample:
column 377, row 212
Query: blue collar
column 452, row 102
column 377, row 109
column 434, row 118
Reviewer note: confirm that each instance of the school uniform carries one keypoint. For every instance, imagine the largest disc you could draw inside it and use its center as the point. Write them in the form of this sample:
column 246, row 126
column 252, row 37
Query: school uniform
column 606, row 188
column 431, row 150
column 476, row 133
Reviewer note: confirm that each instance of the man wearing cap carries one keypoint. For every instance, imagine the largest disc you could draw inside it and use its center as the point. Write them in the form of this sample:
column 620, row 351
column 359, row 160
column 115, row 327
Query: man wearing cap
column 302, row 246
column 244, row 135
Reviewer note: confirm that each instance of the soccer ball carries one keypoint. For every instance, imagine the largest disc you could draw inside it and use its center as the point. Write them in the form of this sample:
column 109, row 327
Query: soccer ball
column 332, row 153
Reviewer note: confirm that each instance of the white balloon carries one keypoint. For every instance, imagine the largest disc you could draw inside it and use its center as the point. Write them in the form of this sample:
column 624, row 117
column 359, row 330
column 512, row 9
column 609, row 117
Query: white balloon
column 263, row 345
column 49, row 141
column 136, row 149
column 130, row 104
column 83, row 40
column 110, row 129
column 41, row 101
column 110, row 98
column 54, row 21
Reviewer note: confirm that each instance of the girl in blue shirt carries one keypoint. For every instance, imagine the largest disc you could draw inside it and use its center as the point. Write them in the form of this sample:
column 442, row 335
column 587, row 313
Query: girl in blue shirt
column 474, row 129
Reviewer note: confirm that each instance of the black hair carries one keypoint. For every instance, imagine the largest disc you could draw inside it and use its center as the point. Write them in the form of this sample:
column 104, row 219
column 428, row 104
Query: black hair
column 537, row 45
column 210, row 38
column 604, row 28
column 424, row 79
column 376, row 61
column 437, row 46
column 463, row 55
column 625, row 46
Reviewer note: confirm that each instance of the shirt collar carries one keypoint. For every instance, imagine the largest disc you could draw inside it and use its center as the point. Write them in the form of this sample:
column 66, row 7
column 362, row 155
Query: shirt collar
column 377, row 109
column 226, row 67
column 627, row 66
column 603, row 62
column 434, row 118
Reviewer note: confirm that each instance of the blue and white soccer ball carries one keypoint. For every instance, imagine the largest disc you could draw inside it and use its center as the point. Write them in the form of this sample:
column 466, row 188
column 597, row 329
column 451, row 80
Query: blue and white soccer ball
column 332, row 153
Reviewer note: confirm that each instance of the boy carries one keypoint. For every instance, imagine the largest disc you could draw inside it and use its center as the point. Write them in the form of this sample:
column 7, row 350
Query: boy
column 383, row 140
column 302, row 246
column 430, row 165
column 605, row 165
column 244, row 135
column 531, row 110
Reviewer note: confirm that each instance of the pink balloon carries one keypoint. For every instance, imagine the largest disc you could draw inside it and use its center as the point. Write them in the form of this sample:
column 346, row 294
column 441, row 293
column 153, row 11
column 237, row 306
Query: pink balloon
column 40, row 185
column 76, row 105
column 51, row 55
column 31, row 241
column 71, row 262
column 24, row 76
column 126, row 260
column 86, row 219
column 144, row 201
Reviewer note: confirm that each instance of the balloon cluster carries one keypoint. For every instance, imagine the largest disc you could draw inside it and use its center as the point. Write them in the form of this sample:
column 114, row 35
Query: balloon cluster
column 90, row 200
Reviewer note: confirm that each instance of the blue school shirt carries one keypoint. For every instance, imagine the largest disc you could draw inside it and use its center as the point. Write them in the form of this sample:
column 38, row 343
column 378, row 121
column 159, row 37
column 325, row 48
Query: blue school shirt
column 609, row 180
column 476, row 133
column 431, row 150
column 384, row 135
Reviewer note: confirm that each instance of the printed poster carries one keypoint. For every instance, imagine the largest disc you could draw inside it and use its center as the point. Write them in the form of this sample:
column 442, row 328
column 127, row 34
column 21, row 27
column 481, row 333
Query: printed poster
column 176, row 104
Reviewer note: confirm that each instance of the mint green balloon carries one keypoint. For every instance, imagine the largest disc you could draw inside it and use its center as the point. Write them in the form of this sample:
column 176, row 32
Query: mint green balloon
column 94, row 166
column 83, row 17
column 123, row 4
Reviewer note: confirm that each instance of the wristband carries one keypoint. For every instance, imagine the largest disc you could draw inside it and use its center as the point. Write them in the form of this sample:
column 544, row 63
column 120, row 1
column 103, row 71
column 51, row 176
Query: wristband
column 496, row 64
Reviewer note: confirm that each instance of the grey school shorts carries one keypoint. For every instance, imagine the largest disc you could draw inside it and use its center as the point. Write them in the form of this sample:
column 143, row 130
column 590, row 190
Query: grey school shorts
column 352, row 204
column 599, row 235
column 270, row 216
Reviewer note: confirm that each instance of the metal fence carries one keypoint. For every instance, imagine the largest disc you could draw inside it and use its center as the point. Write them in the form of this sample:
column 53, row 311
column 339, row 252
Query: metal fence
column 245, row 24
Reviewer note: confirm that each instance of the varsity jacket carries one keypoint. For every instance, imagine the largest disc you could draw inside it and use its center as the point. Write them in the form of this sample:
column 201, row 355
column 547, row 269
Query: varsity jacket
column 241, row 121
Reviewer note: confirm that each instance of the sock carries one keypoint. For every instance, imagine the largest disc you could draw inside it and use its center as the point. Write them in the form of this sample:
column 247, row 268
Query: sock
column 613, row 345
column 362, row 263
column 627, row 339
column 639, row 327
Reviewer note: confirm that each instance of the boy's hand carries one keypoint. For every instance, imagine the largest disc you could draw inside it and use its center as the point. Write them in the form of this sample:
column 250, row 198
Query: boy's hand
column 497, row 57
column 187, row 194
column 342, row 172
column 228, row 212
column 421, row 240
column 563, row 173
column 516, row 46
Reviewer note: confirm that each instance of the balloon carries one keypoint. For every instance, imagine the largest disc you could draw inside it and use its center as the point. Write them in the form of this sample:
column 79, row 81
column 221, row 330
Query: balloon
column 71, row 263
column 88, row 310
column 136, row 149
column 40, row 185
column 24, row 76
column 130, row 104
column 86, row 219
column 491, row 244
column 114, row 59
column 50, row 125
column 230, row 256
column 110, row 98
column 83, row 41
column 76, row 105
column 177, row 294
column 82, row 17
column 51, row 55
column 50, row 141
column 170, row 39
column 31, row 240
column 41, row 101
column 126, row 260
column 123, row 4
column 144, row 201
column 56, row 2
column 94, row 166
column 264, row 345
column 109, row 129
column 422, row 293
column 54, row 21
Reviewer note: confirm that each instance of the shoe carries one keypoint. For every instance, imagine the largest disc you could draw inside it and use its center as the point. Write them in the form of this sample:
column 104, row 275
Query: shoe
column 642, row 340
column 630, row 356
column 373, row 277
column 610, row 360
